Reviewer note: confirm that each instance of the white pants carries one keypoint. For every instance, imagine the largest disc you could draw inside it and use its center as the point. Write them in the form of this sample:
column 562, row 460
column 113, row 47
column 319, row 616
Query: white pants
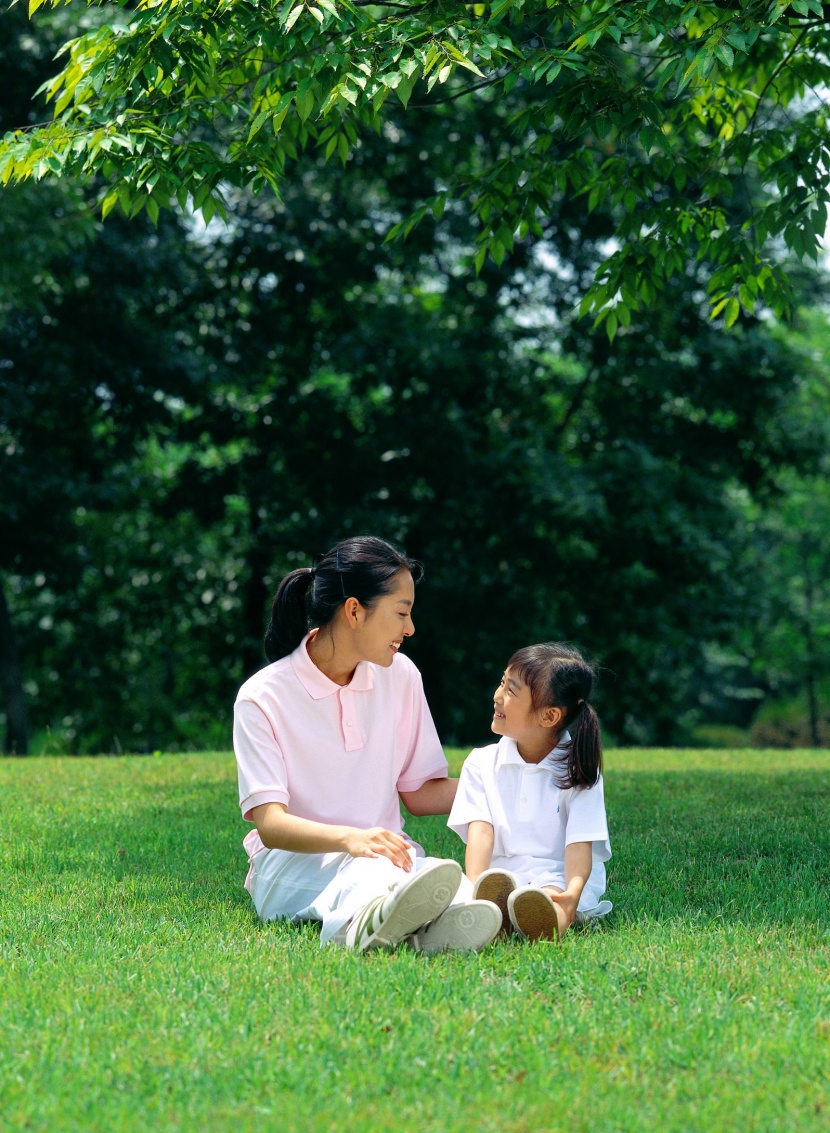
column 326, row 887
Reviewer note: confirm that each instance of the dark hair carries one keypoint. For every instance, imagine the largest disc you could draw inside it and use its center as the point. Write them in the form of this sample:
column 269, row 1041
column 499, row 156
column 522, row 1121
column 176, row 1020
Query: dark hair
column 362, row 567
column 559, row 676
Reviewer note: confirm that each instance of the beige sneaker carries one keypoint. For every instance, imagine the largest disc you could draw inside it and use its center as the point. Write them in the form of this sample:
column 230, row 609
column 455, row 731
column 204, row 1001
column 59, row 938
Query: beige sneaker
column 533, row 914
column 496, row 885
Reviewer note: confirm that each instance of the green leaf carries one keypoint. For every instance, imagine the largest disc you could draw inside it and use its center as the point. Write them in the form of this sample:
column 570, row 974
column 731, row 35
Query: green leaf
column 258, row 123
column 405, row 87
column 293, row 17
column 733, row 309
column 746, row 297
column 108, row 204
column 499, row 9
column 304, row 100
column 725, row 54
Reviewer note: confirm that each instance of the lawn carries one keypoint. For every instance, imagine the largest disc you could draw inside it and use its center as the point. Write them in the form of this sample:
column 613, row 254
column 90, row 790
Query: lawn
column 138, row 991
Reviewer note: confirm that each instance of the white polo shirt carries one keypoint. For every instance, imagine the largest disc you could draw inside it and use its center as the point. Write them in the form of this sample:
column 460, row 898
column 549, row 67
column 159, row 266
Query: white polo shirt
column 533, row 819
column 332, row 753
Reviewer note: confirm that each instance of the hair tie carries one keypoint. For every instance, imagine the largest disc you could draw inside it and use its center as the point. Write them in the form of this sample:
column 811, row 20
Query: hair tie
column 582, row 701
column 342, row 583
column 312, row 573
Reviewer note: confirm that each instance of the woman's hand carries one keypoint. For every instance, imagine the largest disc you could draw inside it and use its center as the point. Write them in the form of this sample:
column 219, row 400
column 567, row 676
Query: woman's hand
column 280, row 830
column 378, row 843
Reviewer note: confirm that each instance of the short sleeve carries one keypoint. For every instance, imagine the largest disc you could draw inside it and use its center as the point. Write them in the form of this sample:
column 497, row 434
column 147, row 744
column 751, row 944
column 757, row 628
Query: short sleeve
column 587, row 821
column 259, row 759
column 425, row 757
column 471, row 799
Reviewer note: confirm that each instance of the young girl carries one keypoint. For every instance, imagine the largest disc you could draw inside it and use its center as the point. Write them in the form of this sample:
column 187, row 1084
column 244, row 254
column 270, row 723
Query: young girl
column 530, row 807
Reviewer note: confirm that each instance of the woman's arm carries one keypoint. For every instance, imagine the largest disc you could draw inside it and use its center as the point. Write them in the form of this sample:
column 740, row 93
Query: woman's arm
column 480, row 838
column 577, row 871
column 280, row 830
column 433, row 797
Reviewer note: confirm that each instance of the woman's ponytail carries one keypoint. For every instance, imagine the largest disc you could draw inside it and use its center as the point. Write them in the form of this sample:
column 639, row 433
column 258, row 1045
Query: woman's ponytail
column 289, row 623
column 585, row 751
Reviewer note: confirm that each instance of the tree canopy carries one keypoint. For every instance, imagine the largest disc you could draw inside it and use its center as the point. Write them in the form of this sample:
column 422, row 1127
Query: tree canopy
column 187, row 414
column 701, row 128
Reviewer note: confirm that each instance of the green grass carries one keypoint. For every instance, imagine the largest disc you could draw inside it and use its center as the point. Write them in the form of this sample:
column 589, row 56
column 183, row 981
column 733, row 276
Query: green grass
column 138, row 991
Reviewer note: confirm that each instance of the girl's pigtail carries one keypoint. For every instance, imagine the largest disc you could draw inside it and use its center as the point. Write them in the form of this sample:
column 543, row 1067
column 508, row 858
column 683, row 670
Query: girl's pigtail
column 289, row 622
column 585, row 753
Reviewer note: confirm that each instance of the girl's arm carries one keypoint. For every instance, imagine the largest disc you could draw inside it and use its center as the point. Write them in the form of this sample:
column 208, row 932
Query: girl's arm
column 280, row 830
column 436, row 796
column 578, row 863
column 479, row 853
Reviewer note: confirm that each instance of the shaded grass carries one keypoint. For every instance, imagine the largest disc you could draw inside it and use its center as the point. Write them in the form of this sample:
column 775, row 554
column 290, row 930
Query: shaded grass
column 137, row 988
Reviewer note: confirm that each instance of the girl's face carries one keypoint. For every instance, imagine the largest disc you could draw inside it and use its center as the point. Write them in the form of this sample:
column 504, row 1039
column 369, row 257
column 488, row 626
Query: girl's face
column 513, row 714
column 383, row 628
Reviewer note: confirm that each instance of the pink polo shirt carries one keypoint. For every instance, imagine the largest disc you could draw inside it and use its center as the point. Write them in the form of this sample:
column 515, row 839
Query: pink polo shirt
column 332, row 753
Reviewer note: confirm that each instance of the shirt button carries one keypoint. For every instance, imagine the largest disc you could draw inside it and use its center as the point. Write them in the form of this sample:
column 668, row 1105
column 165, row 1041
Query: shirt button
column 348, row 723
column 524, row 800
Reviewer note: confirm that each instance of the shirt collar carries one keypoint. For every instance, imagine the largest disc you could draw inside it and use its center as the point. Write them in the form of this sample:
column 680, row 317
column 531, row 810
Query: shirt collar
column 507, row 753
column 317, row 684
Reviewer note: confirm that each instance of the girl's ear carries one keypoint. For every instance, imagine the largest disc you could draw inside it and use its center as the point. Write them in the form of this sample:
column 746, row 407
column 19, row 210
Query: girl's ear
column 551, row 716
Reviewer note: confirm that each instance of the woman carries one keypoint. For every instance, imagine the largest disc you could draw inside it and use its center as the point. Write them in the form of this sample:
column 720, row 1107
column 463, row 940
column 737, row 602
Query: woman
column 328, row 738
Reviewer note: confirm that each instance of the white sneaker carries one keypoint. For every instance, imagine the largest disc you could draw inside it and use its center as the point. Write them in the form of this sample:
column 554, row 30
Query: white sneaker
column 466, row 927
column 496, row 885
column 413, row 903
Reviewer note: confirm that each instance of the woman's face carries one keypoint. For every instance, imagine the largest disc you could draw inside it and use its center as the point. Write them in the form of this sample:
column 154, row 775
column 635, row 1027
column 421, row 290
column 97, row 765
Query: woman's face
column 384, row 627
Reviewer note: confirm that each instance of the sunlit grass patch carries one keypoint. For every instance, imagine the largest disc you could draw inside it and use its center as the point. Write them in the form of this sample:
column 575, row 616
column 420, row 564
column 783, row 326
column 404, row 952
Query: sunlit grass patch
column 139, row 991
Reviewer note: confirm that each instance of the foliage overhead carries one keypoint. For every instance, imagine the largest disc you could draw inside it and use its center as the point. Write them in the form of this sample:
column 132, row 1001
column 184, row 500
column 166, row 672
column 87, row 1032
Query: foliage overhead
column 700, row 127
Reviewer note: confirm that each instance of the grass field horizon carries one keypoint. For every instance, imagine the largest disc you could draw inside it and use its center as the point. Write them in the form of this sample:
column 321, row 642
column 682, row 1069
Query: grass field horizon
column 138, row 988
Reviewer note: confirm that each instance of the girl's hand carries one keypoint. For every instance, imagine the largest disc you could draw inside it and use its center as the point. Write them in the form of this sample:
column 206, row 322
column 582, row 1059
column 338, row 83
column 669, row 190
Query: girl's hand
column 379, row 843
column 567, row 902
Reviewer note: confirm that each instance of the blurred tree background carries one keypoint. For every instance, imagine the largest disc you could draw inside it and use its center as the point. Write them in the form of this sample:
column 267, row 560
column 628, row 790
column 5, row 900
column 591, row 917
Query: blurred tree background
column 188, row 412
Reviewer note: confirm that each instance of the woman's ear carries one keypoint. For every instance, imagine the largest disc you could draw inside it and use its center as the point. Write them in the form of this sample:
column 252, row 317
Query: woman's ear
column 551, row 716
column 351, row 611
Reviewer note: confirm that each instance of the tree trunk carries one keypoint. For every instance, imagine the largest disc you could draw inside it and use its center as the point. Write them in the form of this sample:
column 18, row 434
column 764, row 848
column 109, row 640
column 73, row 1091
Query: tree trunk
column 16, row 741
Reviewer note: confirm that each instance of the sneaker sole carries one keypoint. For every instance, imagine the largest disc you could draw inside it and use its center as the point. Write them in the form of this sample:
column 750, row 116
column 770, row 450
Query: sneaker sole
column 497, row 887
column 534, row 915
column 418, row 901
column 462, row 928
